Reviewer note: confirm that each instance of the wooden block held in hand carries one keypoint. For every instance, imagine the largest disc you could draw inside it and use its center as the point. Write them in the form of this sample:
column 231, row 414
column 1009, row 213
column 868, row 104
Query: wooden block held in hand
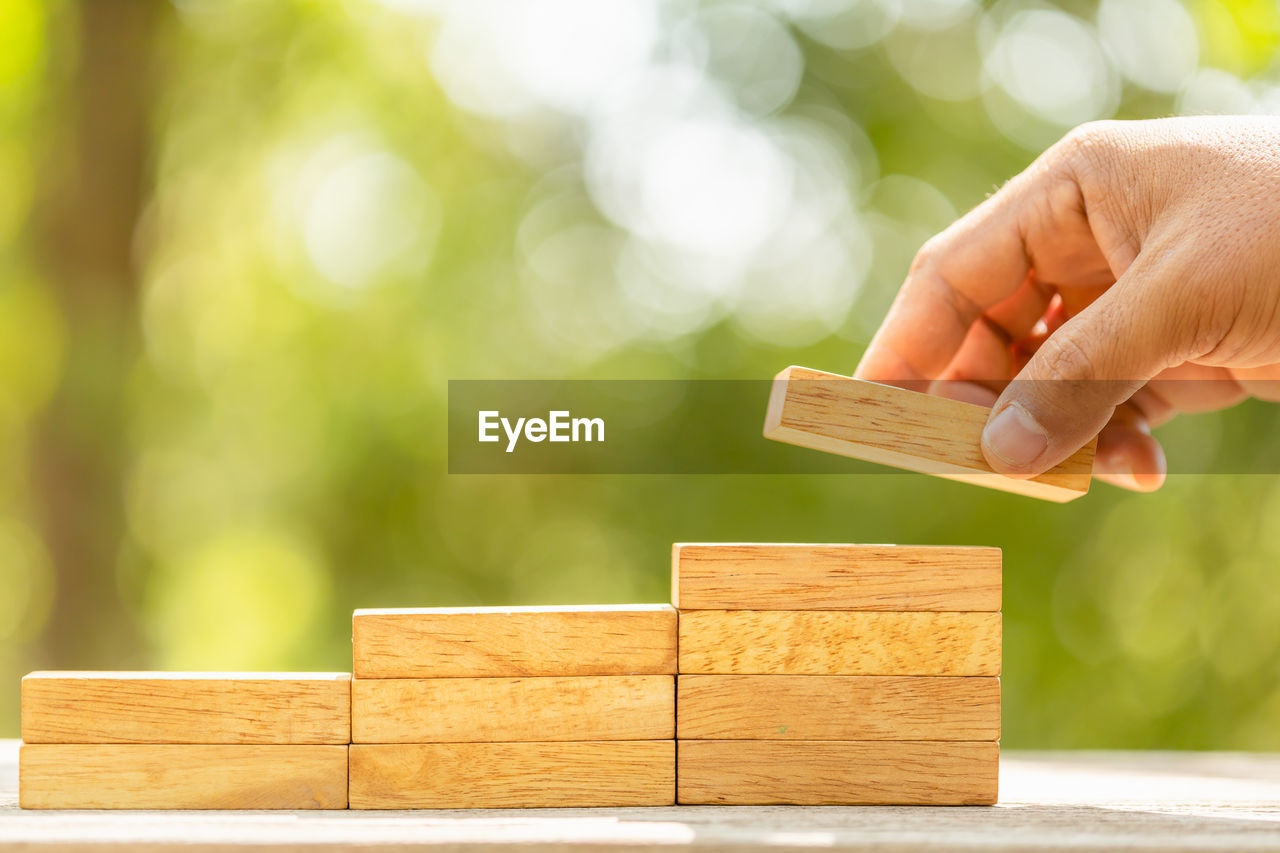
column 182, row 776
column 456, row 642
column 744, row 576
column 838, row 642
column 513, row 775
column 837, row 707
column 815, row 773
column 187, row 707
column 542, row 708
column 905, row 429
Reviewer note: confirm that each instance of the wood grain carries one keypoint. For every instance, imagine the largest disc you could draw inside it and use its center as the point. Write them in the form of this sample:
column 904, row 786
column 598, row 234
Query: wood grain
column 547, row 708
column 182, row 776
column 512, row 775
column 744, row 576
column 186, row 707
column 837, row 707
column 827, row 642
column 813, row 773
column 905, row 429
column 637, row 639
column 1076, row 800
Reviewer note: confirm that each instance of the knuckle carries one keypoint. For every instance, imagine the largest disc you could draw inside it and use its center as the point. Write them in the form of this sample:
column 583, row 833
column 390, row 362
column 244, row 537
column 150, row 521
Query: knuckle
column 1091, row 134
column 1091, row 149
column 926, row 255
column 1065, row 359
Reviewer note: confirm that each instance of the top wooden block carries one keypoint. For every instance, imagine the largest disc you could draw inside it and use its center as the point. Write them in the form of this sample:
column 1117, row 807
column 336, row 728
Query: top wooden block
column 741, row 576
column 449, row 642
column 186, row 707
column 905, row 429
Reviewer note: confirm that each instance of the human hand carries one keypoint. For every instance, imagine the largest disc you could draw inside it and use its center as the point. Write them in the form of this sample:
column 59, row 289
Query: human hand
column 1130, row 273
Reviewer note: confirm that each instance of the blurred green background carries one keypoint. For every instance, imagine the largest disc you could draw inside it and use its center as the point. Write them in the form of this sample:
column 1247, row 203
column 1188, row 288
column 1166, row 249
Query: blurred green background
column 244, row 245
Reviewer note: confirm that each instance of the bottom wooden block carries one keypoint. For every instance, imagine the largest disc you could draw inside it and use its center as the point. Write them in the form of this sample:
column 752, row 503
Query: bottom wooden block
column 182, row 776
column 513, row 775
column 815, row 773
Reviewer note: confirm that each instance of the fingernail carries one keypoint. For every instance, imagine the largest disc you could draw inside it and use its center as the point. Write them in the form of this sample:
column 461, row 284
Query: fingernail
column 1130, row 479
column 1117, row 467
column 1015, row 437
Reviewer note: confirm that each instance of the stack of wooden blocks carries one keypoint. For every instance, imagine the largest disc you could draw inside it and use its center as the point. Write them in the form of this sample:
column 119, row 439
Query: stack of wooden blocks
column 807, row 674
column 513, row 707
column 837, row 674
column 147, row 740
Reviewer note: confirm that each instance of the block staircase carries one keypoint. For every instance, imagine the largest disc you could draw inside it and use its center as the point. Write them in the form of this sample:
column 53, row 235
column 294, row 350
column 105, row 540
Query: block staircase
column 782, row 674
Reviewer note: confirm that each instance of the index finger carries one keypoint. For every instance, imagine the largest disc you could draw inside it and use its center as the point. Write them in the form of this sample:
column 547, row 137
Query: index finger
column 976, row 263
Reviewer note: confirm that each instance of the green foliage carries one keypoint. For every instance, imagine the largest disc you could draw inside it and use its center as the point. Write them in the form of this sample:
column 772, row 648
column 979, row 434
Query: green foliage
column 332, row 237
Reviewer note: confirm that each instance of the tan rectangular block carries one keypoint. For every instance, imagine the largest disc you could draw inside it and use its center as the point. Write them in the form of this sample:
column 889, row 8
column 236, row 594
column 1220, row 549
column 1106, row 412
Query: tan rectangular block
column 837, row 707
column 513, row 775
column 905, row 429
column 546, row 708
column 182, row 776
column 838, row 642
column 815, row 773
column 744, row 576
column 187, row 707
column 453, row 642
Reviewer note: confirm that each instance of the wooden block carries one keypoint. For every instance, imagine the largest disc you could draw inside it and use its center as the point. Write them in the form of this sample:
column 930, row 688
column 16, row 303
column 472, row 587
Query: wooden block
column 838, row 642
column 905, row 429
column 449, row 642
column 186, row 707
column 740, row 576
column 182, row 776
column 837, row 707
column 547, row 708
column 814, row 773
column 513, row 775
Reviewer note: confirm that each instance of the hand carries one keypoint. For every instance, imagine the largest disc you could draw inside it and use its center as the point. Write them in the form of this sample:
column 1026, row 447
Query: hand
column 1129, row 258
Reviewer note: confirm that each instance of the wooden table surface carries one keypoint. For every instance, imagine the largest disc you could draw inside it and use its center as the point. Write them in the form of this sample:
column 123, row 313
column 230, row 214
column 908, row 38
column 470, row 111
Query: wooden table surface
column 1048, row 801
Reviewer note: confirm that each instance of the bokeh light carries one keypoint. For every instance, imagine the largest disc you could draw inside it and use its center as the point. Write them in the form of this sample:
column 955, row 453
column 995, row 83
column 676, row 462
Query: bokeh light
column 221, row 604
column 349, row 204
column 1152, row 42
column 368, row 219
column 1051, row 63
column 27, row 579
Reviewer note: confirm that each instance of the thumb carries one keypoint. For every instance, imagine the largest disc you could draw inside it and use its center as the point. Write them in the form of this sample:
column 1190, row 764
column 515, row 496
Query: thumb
column 1095, row 361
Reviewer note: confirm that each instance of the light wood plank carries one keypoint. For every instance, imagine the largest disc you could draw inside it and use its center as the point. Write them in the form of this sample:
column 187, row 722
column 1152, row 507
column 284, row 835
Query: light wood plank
column 182, row 776
column 186, row 707
column 813, row 773
column 837, row 707
column 547, row 708
column 512, row 775
column 827, row 642
column 905, row 429
column 776, row 576
column 451, row 642
column 1143, row 801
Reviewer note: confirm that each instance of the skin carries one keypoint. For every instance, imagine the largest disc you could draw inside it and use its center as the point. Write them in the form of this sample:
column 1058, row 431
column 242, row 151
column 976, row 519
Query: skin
column 1130, row 274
